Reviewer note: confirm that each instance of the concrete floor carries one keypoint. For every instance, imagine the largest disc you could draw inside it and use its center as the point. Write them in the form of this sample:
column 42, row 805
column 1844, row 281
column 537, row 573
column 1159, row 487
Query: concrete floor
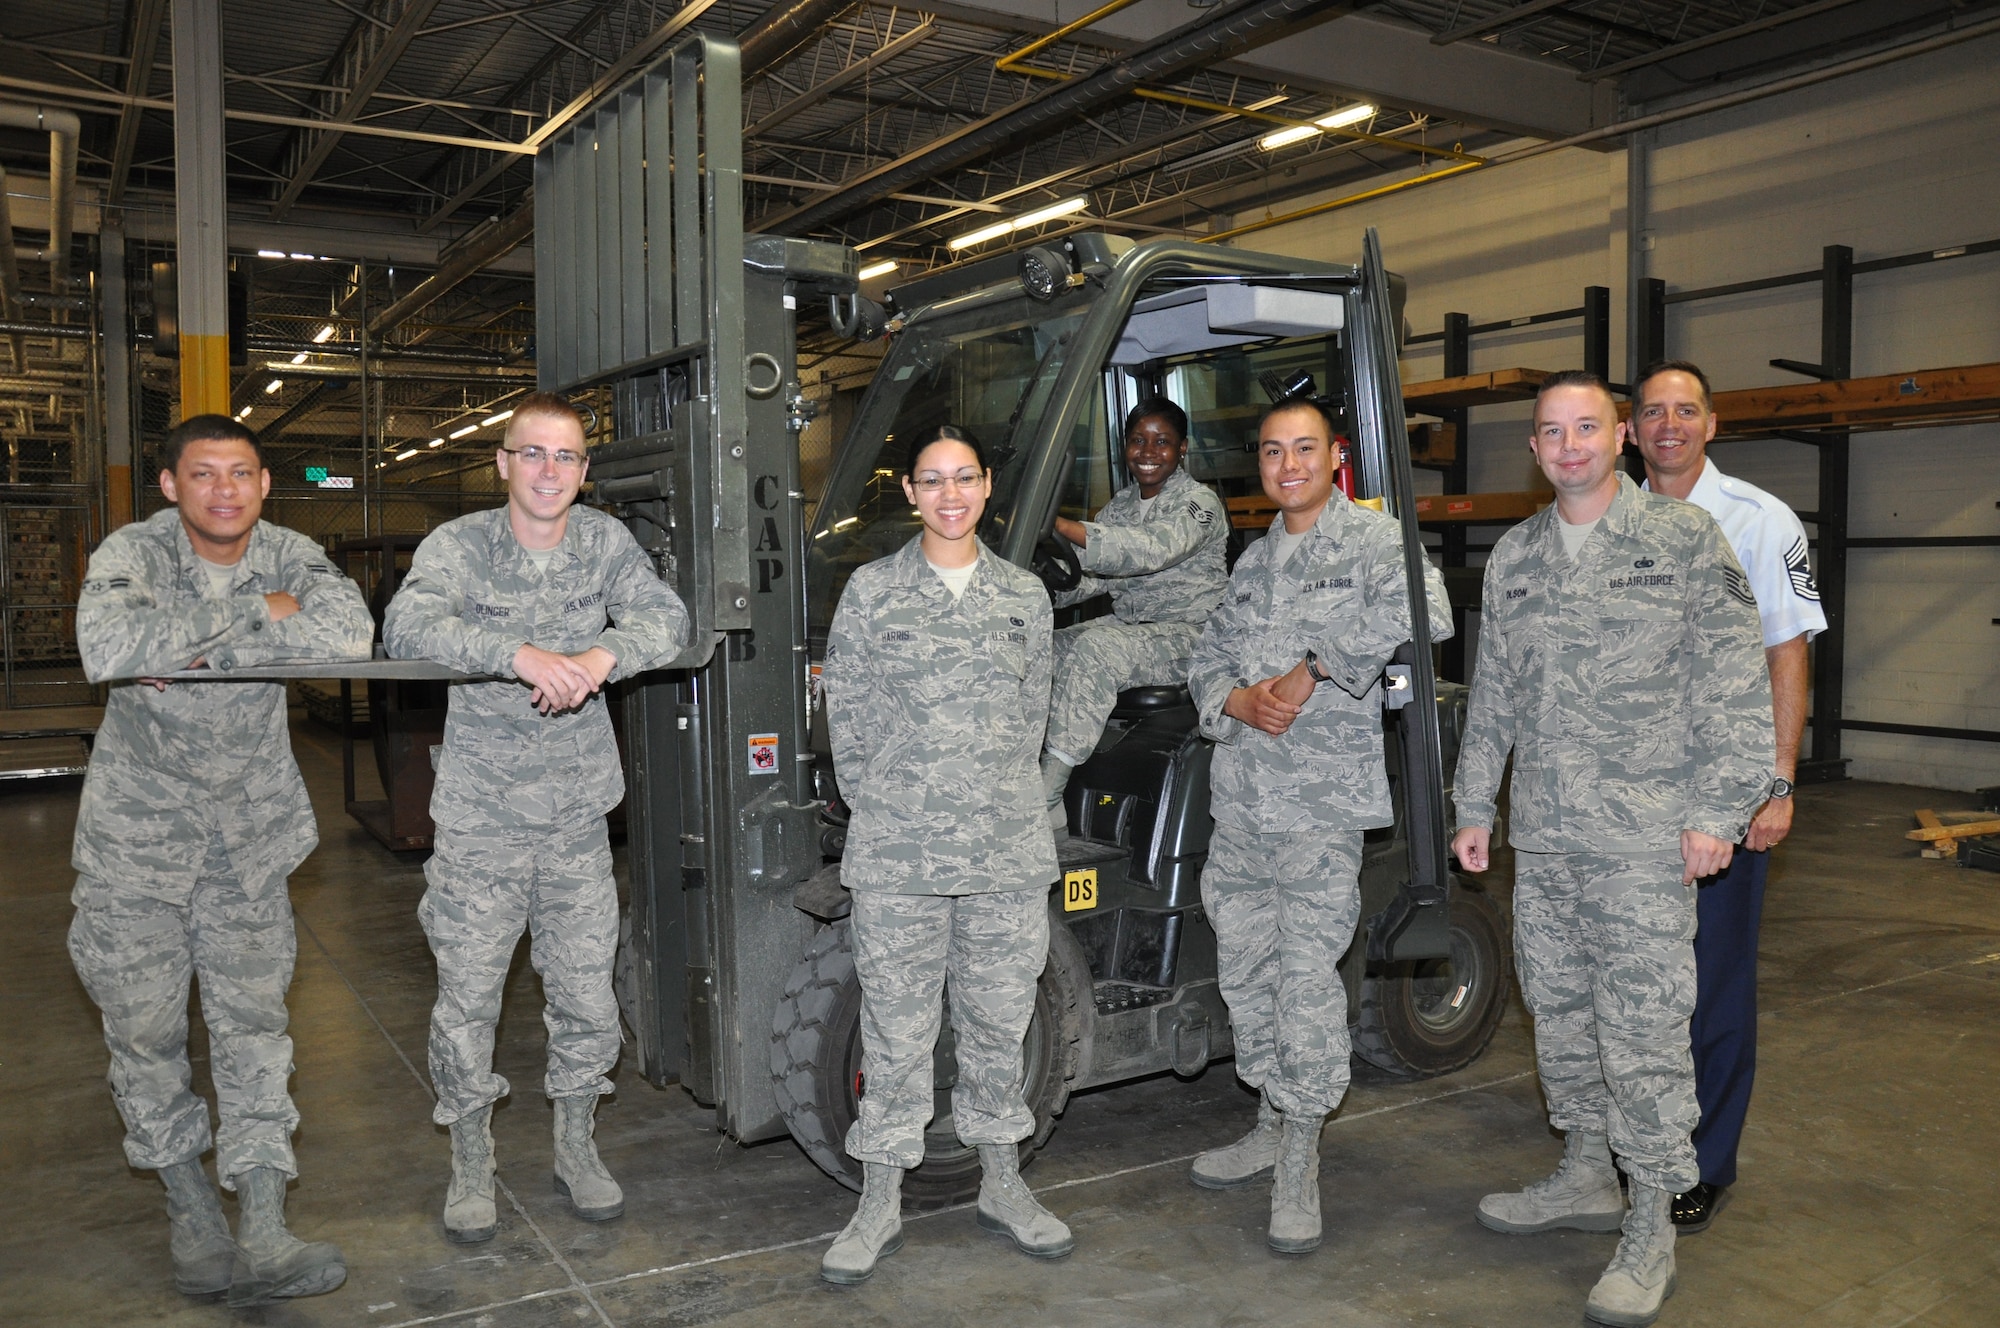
column 1868, row 1192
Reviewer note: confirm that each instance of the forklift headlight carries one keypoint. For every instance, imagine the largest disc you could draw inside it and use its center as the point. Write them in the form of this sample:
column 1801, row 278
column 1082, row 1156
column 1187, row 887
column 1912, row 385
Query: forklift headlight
column 1044, row 272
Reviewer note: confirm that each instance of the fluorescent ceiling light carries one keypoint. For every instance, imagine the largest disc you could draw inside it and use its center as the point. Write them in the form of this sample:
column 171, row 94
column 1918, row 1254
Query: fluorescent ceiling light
column 1067, row 207
column 1051, row 212
column 299, row 358
column 305, row 257
column 460, row 433
column 405, row 456
column 874, row 270
column 1287, row 137
column 501, row 418
column 324, row 335
column 270, row 253
column 243, row 414
column 1340, row 119
column 980, row 236
column 435, row 442
column 273, row 386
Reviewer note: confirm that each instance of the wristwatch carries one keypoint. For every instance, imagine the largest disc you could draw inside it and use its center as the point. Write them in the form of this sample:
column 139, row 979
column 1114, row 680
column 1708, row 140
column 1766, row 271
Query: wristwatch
column 1781, row 787
column 1312, row 668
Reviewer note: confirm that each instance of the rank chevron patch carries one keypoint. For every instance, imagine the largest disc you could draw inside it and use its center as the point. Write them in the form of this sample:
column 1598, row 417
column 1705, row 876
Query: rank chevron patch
column 1800, row 571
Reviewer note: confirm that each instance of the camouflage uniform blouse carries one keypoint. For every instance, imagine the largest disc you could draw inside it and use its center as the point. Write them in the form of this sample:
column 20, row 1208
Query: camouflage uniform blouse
column 1342, row 596
column 1629, row 684
column 173, row 769
column 472, row 599
column 1161, row 561
column 936, row 708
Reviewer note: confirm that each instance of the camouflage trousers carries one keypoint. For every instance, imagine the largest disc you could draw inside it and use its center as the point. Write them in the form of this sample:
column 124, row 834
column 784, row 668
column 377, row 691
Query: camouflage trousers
column 1096, row 660
column 1605, row 950
column 1284, row 908
column 989, row 949
column 486, row 887
column 137, row 955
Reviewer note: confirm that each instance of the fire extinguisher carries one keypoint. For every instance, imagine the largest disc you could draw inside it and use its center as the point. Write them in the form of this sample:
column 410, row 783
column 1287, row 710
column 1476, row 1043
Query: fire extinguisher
column 1344, row 460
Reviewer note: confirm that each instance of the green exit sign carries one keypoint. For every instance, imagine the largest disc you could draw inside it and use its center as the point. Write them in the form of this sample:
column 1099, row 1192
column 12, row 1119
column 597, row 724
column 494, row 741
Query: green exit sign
column 314, row 474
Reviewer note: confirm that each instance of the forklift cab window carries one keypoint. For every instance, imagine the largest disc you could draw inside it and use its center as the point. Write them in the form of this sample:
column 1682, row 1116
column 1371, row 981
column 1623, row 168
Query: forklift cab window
column 988, row 370
column 1095, row 463
column 1224, row 396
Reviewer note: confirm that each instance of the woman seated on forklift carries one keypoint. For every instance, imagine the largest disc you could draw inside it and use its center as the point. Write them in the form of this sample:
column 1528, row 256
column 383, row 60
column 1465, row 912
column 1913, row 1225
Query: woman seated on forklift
column 937, row 690
column 1158, row 548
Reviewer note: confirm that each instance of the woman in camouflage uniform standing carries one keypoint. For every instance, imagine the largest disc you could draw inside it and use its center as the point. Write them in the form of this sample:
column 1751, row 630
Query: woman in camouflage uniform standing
column 937, row 687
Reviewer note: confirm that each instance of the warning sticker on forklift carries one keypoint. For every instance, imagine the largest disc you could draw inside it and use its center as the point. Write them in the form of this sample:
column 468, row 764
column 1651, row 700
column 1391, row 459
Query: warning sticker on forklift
column 1079, row 890
column 763, row 753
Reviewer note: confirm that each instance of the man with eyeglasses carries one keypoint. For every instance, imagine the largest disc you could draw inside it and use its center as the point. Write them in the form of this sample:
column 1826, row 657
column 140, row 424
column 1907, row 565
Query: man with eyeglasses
column 551, row 601
column 1157, row 549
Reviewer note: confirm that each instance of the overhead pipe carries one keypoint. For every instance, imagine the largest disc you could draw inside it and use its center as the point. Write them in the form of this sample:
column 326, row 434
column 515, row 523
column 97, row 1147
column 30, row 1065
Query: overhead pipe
column 62, row 127
column 1242, row 27
column 783, row 29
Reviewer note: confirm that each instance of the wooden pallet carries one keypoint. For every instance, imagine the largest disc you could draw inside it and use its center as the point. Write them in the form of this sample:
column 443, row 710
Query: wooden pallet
column 1941, row 839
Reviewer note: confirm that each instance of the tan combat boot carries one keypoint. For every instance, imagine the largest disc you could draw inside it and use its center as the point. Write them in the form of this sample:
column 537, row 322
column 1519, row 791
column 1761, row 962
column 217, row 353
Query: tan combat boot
column 1295, row 1222
column 1007, row 1207
column 1582, row 1195
column 272, row 1263
column 1641, row 1275
column 580, row 1174
column 874, row 1232
column 204, row 1253
column 469, row 1214
column 1248, row 1159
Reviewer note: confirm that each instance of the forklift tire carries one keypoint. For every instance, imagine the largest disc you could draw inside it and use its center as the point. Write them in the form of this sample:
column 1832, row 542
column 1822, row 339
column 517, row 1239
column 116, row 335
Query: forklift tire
column 816, row 1065
column 1428, row 1017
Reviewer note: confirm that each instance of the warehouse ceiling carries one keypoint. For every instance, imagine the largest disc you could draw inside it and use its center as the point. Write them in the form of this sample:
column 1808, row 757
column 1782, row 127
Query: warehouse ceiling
column 896, row 129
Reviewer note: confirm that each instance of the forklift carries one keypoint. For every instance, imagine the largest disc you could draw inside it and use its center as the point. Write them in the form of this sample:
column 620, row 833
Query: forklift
column 736, row 970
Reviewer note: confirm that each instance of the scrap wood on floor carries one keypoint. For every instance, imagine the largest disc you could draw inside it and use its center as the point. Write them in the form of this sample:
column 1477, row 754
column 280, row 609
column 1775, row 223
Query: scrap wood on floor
column 1940, row 838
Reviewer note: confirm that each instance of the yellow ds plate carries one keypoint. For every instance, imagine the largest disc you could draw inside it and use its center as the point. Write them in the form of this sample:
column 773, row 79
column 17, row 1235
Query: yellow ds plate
column 1079, row 890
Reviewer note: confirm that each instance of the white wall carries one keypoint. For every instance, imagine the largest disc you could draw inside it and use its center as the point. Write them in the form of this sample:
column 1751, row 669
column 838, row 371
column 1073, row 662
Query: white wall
column 1896, row 160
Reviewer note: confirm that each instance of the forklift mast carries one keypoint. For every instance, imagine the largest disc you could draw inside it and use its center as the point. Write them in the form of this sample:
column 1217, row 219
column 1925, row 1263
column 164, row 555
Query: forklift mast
column 646, row 286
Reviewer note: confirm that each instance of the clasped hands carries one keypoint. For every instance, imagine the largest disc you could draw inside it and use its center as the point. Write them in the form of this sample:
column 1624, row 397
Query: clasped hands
column 562, row 682
column 1272, row 705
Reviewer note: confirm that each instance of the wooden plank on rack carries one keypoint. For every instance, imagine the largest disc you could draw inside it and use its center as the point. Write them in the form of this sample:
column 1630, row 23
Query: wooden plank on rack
column 1927, row 396
column 1480, row 389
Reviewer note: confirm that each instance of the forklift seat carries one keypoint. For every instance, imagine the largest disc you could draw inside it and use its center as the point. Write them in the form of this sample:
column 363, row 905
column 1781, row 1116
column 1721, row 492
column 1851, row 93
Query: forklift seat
column 1140, row 702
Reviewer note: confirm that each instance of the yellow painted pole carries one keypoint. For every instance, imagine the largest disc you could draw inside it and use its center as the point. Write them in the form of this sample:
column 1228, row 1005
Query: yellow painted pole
column 201, row 218
column 204, row 375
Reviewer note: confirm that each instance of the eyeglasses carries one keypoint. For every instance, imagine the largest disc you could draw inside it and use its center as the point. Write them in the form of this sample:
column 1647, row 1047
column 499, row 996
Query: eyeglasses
column 535, row 456
column 931, row 483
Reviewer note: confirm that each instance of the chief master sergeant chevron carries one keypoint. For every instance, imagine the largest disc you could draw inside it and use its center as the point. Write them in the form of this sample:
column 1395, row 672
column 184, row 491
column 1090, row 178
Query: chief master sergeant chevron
column 193, row 814
column 529, row 767
column 1621, row 662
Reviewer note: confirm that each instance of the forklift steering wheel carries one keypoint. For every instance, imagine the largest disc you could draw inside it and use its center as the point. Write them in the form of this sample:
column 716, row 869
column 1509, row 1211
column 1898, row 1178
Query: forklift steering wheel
column 1056, row 564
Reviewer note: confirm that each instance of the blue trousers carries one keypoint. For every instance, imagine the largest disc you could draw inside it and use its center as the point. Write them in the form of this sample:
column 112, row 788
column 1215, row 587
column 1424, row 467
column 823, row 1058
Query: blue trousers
column 1724, row 1030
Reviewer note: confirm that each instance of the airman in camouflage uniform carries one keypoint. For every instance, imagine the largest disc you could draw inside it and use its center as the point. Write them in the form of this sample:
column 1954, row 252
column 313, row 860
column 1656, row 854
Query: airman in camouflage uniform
column 523, row 782
column 937, row 698
column 1161, row 557
column 193, row 814
column 1626, row 675
column 1287, row 679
